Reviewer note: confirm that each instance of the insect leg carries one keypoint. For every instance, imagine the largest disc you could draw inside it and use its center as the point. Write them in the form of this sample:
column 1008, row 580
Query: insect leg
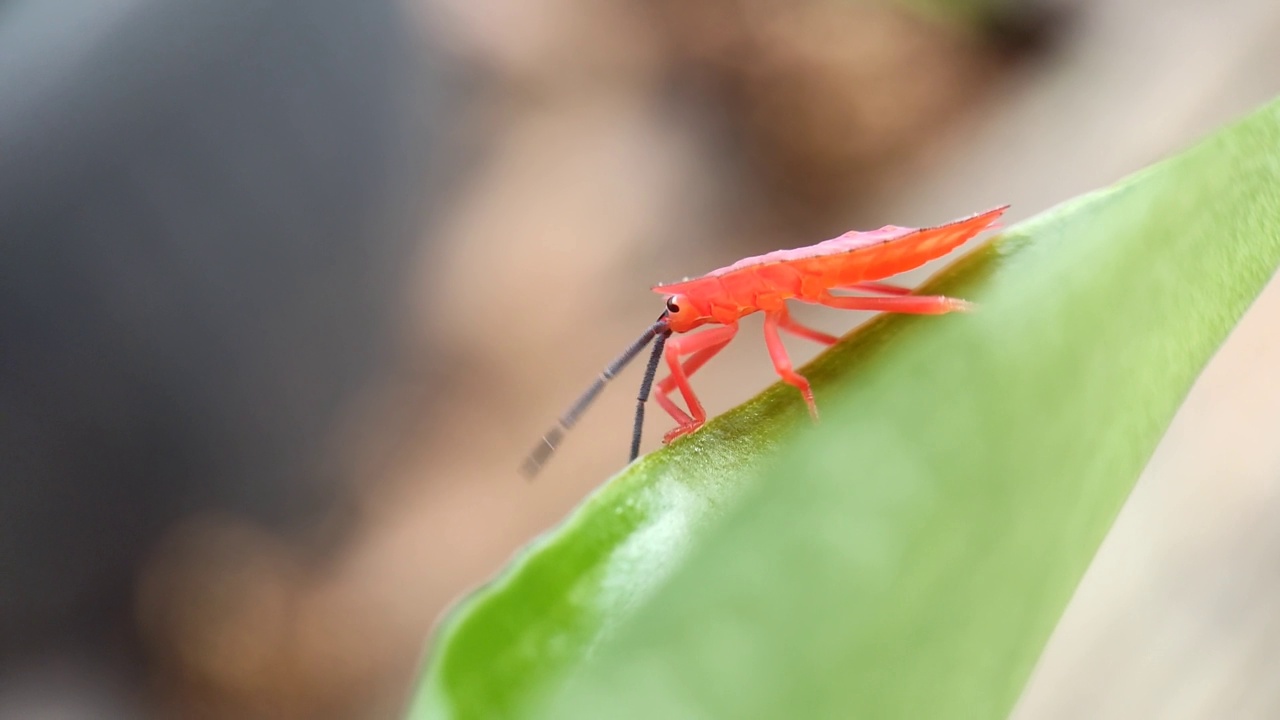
column 669, row 383
column 666, row 403
column 702, row 346
column 788, row 323
column 913, row 304
column 879, row 288
column 697, row 360
column 690, row 366
column 782, row 362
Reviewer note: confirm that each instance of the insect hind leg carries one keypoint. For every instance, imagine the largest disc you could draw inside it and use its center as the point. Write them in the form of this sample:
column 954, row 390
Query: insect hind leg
column 879, row 288
column 910, row 304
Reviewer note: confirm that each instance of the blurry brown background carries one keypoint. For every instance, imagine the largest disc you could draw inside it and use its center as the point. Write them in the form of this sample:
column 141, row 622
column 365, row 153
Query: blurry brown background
column 616, row 145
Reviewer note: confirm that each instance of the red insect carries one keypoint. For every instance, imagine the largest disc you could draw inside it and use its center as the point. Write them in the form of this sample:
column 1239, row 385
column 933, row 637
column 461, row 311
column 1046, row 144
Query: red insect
column 854, row 261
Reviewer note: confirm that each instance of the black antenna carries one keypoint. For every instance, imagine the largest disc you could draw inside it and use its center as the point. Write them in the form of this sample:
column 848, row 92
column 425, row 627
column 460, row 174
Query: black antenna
column 536, row 459
column 645, row 385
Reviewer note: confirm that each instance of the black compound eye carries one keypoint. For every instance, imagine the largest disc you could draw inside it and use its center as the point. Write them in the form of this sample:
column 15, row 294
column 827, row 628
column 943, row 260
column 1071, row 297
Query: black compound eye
column 672, row 307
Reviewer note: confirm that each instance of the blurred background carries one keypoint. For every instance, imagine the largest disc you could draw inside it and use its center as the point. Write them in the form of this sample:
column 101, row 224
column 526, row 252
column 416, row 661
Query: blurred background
column 287, row 291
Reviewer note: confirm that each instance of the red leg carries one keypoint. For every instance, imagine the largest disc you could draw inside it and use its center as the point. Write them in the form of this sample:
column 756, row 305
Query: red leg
column 782, row 363
column 702, row 346
column 668, row 384
column 879, row 288
column 788, row 323
column 697, row 360
column 913, row 304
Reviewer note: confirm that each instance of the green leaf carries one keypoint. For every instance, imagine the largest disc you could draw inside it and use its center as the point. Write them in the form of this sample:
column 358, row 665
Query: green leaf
column 909, row 556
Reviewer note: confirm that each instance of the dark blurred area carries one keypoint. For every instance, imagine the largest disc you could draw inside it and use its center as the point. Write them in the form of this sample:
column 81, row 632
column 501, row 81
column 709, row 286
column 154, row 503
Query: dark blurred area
column 287, row 289
column 209, row 213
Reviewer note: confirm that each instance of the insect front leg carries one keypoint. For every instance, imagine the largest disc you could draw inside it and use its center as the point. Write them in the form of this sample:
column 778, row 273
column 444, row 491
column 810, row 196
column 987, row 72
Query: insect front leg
column 702, row 346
